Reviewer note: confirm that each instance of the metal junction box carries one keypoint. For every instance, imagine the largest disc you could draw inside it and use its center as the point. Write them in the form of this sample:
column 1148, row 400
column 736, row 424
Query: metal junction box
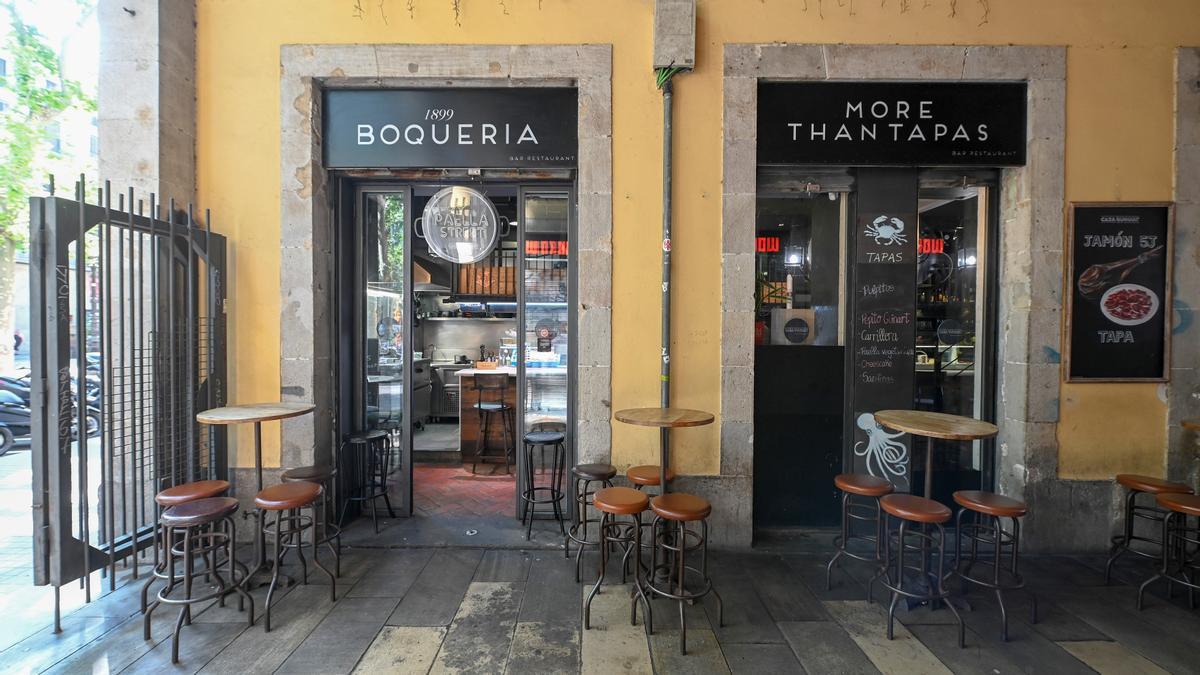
column 675, row 33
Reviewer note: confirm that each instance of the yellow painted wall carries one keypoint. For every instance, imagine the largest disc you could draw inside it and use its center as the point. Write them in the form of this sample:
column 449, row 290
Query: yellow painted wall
column 1119, row 146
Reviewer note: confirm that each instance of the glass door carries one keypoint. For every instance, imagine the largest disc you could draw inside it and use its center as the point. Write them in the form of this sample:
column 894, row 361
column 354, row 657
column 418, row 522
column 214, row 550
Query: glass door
column 953, row 327
column 385, row 322
column 800, row 268
column 546, row 295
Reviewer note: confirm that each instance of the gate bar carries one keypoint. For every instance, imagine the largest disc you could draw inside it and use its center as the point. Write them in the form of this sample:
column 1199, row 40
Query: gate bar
column 80, row 387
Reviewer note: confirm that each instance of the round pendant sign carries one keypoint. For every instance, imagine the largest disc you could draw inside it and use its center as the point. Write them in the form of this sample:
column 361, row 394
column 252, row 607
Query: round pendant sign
column 461, row 225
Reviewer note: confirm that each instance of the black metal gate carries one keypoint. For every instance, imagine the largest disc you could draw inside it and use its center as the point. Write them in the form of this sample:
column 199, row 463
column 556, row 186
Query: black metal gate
column 127, row 311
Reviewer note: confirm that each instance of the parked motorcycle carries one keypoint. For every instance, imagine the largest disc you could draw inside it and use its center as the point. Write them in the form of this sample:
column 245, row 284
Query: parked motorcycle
column 16, row 419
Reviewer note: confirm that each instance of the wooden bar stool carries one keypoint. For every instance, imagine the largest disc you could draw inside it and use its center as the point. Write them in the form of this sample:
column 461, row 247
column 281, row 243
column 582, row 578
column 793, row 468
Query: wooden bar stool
column 491, row 394
column 364, row 463
column 646, row 475
column 672, row 512
column 1138, row 485
column 860, row 501
column 614, row 502
column 916, row 516
column 988, row 506
column 204, row 528
column 551, row 494
column 325, row 476
column 286, row 501
column 1178, row 565
column 583, row 477
column 172, row 496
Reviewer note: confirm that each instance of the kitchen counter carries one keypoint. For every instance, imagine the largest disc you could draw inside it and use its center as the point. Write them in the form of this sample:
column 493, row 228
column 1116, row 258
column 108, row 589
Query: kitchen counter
column 512, row 372
column 469, row 418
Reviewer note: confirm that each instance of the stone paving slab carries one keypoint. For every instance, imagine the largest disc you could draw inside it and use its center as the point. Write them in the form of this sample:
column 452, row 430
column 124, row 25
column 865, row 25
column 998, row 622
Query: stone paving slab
column 540, row 647
column 1110, row 657
column 480, row 636
column 402, row 649
column 512, row 611
column 612, row 645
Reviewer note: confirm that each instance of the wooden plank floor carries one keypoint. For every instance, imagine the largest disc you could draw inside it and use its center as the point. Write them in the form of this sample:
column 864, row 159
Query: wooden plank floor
column 509, row 611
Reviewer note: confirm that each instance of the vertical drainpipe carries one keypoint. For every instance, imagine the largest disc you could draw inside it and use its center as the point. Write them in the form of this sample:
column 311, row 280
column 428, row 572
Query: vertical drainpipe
column 665, row 366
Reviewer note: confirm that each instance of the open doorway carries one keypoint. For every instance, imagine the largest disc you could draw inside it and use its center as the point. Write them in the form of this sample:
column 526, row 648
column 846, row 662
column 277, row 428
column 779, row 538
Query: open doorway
column 461, row 343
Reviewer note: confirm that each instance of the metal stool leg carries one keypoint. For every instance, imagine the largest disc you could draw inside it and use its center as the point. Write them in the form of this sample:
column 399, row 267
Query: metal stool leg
column 841, row 543
column 1120, row 547
column 587, row 605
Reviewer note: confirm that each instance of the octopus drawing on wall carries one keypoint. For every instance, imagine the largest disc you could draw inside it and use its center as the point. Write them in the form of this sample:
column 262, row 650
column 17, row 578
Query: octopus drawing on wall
column 884, row 456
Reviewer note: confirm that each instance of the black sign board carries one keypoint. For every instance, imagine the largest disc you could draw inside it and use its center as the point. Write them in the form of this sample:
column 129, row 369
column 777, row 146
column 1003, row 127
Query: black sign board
column 450, row 128
column 883, row 343
column 892, row 123
column 1119, row 300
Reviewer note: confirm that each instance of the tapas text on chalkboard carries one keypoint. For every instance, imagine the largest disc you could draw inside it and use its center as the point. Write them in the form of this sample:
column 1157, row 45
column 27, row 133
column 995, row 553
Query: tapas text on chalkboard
column 884, row 321
column 1119, row 302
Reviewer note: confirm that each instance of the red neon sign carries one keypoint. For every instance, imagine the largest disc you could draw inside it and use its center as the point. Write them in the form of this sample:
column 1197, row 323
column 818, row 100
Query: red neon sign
column 927, row 246
column 767, row 244
column 545, row 247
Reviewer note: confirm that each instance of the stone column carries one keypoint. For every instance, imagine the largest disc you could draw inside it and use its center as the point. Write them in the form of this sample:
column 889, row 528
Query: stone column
column 147, row 99
column 147, row 140
column 1183, row 399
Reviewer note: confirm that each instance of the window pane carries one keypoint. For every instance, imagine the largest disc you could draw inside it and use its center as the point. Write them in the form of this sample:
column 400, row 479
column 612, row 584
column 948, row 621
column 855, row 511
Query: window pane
column 383, row 261
column 547, row 317
column 797, row 270
column 949, row 311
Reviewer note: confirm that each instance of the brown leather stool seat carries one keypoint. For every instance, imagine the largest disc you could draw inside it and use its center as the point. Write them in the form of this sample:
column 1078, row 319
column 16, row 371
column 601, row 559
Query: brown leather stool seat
column 680, row 506
column 621, row 501
column 594, row 471
column 186, row 492
column 585, row 477
column 675, row 542
column 1180, row 541
column 1152, row 485
column 199, row 511
column 1187, row 504
column 990, row 503
column 918, row 546
column 1137, row 484
column 914, row 508
column 287, row 496
column 315, row 474
column 862, row 484
column 646, row 474
column 196, row 533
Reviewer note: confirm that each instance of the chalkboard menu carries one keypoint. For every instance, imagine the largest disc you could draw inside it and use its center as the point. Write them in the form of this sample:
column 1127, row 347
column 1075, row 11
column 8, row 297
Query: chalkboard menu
column 884, row 303
column 1119, row 301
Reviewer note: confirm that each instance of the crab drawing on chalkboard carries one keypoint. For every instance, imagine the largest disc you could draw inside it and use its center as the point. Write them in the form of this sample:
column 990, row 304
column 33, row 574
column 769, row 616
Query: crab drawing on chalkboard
column 887, row 230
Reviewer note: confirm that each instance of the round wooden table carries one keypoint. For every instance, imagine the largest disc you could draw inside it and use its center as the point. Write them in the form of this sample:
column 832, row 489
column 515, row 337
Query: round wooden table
column 933, row 425
column 256, row 413
column 664, row 419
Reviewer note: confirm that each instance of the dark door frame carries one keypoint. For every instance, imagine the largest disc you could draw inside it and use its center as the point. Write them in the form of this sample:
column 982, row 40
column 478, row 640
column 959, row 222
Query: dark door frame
column 350, row 291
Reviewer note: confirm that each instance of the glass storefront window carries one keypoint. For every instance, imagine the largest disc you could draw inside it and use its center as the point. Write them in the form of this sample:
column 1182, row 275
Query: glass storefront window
column 950, row 321
column 384, row 268
column 798, row 286
column 547, row 311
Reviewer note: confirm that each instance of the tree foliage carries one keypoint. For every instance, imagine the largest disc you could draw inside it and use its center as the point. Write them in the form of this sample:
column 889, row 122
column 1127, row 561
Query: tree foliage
column 26, row 123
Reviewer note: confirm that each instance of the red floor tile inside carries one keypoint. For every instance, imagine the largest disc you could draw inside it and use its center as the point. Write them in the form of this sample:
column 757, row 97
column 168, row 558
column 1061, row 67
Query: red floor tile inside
column 455, row 491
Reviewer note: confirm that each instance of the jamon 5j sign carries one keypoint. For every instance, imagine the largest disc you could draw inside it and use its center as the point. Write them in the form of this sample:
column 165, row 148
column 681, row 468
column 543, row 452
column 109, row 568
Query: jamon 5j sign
column 892, row 123
column 450, row 128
